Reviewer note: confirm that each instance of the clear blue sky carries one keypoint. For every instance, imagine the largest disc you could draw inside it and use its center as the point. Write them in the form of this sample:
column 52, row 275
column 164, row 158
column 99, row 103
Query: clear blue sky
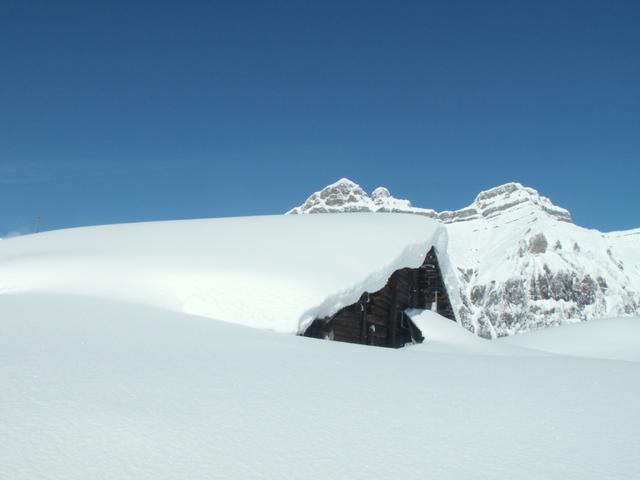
column 117, row 111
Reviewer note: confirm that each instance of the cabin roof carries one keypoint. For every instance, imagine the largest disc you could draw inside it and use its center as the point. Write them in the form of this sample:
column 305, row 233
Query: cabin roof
column 273, row 272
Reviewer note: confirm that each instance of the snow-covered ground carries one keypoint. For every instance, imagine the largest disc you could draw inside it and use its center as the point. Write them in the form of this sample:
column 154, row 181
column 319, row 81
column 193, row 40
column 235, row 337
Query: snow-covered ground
column 612, row 338
column 105, row 374
column 96, row 388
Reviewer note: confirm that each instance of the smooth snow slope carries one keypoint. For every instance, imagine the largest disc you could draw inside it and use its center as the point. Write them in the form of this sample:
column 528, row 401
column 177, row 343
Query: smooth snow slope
column 613, row 338
column 441, row 335
column 95, row 388
column 273, row 272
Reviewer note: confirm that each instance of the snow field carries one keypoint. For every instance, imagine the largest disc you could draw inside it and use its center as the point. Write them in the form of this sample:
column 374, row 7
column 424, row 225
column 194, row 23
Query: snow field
column 612, row 338
column 126, row 353
column 95, row 388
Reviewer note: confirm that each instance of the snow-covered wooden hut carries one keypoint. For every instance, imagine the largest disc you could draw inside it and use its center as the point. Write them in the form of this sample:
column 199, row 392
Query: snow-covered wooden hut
column 378, row 318
column 347, row 277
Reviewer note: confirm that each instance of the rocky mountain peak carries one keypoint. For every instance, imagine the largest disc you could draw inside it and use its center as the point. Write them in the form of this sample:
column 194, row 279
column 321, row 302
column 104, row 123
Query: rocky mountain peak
column 380, row 193
column 341, row 196
column 494, row 201
column 502, row 190
column 343, row 184
column 347, row 196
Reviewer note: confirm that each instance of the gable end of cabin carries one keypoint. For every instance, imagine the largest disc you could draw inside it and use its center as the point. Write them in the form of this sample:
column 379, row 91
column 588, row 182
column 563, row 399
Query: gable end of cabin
column 379, row 318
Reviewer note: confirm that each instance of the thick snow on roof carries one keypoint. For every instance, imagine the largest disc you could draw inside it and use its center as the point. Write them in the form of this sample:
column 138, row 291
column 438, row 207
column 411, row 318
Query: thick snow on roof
column 272, row 272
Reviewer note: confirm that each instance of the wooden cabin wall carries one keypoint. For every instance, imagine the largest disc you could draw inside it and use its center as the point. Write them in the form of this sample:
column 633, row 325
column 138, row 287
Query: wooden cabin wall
column 378, row 318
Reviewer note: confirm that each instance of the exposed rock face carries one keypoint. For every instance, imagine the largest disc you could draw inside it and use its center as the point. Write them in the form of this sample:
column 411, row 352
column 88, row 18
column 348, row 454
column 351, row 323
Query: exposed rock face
column 493, row 202
column 342, row 196
column 538, row 243
column 521, row 263
column 347, row 196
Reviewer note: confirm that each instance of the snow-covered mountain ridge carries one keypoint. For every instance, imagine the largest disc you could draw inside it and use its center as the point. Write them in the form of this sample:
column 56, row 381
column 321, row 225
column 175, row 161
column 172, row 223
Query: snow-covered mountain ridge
column 520, row 261
column 347, row 196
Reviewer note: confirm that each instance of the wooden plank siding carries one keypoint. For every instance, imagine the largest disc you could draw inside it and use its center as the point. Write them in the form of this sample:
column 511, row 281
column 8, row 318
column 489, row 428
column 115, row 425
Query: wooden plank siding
column 378, row 318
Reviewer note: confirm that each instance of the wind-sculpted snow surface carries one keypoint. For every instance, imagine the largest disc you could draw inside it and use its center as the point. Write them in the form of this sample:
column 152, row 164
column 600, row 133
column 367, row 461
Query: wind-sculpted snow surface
column 272, row 272
column 96, row 388
column 520, row 263
column 610, row 338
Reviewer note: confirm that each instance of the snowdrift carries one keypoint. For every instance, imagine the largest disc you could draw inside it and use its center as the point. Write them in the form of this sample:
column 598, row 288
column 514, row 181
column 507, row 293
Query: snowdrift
column 270, row 272
column 444, row 336
column 98, row 388
column 610, row 338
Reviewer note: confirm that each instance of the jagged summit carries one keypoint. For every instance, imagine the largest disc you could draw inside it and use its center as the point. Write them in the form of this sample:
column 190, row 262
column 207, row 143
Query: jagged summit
column 347, row 196
column 503, row 189
column 380, row 193
column 341, row 196
column 511, row 194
